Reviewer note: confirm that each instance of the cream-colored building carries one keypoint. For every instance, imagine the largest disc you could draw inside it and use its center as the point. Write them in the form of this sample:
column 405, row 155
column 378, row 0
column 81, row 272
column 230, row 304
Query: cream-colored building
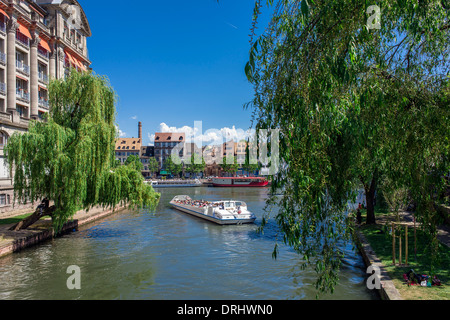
column 39, row 40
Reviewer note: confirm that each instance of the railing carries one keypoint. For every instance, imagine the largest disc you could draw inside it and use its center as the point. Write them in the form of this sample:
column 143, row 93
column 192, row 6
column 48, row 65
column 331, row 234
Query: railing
column 2, row 88
column 43, row 77
column 42, row 52
column 22, row 67
column 23, row 40
column 2, row 58
column 43, row 103
column 22, row 94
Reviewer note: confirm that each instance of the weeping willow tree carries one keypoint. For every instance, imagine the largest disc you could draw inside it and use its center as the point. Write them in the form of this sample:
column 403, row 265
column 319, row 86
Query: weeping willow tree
column 359, row 93
column 67, row 162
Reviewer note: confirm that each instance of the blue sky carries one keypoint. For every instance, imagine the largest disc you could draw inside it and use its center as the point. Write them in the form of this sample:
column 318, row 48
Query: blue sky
column 173, row 62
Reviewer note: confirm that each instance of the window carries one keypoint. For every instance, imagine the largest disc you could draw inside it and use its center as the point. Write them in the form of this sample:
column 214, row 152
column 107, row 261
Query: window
column 3, row 139
column 4, row 169
column 5, row 199
column 21, row 110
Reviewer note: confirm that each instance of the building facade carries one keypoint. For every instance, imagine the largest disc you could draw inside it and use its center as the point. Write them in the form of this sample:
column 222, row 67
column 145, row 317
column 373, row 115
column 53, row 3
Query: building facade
column 126, row 147
column 165, row 142
column 39, row 40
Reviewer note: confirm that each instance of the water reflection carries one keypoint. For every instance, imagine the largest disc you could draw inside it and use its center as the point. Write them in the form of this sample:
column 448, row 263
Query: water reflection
column 171, row 255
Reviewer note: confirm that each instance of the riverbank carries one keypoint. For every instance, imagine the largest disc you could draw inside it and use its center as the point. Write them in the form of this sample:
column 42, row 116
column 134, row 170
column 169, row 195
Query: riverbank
column 14, row 241
column 376, row 248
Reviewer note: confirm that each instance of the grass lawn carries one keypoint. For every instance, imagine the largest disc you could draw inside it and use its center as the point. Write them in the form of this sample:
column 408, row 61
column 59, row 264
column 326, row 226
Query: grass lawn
column 15, row 219
column 419, row 261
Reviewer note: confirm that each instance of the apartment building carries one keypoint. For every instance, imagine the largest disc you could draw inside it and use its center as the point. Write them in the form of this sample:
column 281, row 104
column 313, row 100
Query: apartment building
column 165, row 142
column 39, row 40
column 126, row 147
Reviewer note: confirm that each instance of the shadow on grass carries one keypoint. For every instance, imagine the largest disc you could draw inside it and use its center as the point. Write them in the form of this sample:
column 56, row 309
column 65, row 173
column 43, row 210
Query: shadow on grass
column 419, row 259
column 14, row 220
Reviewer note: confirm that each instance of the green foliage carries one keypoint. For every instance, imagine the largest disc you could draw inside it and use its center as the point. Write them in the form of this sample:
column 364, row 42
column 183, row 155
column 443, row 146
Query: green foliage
column 353, row 105
column 197, row 164
column 153, row 165
column 230, row 164
column 69, row 159
column 172, row 167
column 135, row 162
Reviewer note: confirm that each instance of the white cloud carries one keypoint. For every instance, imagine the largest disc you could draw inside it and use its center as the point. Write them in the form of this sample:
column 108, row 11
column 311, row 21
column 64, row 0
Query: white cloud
column 211, row 136
column 151, row 137
column 120, row 133
column 134, row 117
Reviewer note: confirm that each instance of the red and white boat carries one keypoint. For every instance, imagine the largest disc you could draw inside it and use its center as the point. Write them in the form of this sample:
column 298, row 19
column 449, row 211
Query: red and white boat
column 240, row 182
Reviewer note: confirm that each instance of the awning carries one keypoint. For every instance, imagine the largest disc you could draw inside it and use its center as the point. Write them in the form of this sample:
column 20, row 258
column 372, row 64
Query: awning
column 75, row 62
column 82, row 66
column 71, row 59
column 4, row 13
column 45, row 45
column 24, row 30
column 22, row 78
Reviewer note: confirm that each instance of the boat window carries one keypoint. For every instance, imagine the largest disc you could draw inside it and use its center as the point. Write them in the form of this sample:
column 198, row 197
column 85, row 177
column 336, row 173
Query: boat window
column 228, row 205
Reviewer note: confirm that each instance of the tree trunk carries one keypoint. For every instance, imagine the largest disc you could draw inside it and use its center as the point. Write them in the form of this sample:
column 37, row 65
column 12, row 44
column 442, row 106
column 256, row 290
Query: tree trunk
column 370, row 201
column 41, row 211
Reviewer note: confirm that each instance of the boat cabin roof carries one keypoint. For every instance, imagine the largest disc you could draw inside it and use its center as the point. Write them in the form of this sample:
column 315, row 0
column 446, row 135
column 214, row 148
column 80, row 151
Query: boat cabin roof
column 250, row 178
column 231, row 203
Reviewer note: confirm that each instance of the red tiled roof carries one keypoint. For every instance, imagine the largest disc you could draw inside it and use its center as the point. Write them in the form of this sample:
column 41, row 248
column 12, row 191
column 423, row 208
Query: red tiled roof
column 169, row 137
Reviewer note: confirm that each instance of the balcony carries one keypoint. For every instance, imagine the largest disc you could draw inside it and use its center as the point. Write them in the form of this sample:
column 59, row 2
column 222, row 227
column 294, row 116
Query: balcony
column 43, row 53
column 23, row 41
column 23, row 68
column 2, row 88
column 43, row 77
column 43, row 103
column 2, row 58
column 23, row 95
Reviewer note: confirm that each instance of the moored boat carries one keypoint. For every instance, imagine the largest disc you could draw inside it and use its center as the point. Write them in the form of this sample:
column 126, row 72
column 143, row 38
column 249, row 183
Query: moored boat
column 175, row 183
column 240, row 182
column 224, row 212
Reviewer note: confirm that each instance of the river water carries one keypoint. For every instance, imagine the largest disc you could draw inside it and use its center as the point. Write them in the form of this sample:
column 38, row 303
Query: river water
column 170, row 255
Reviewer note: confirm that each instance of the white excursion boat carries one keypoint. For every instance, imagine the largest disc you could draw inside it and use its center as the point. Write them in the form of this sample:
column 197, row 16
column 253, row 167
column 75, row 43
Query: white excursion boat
column 220, row 212
column 175, row 183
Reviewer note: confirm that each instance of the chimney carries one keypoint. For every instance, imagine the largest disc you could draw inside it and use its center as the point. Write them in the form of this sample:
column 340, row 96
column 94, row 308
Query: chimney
column 140, row 130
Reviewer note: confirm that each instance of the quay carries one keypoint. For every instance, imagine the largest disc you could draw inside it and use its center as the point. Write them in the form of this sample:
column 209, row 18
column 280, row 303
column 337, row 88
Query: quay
column 14, row 241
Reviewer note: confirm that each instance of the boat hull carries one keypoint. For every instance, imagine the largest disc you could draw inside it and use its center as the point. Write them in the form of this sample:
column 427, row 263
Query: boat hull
column 175, row 185
column 189, row 210
column 250, row 183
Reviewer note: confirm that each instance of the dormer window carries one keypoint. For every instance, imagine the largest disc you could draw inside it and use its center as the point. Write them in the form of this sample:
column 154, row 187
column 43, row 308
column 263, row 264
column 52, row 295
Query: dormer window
column 118, row 147
column 181, row 138
column 169, row 138
column 157, row 138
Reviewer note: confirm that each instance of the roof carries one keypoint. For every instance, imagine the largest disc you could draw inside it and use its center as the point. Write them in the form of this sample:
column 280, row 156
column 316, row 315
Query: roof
column 63, row 4
column 234, row 178
column 169, row 137
column 128, row 144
